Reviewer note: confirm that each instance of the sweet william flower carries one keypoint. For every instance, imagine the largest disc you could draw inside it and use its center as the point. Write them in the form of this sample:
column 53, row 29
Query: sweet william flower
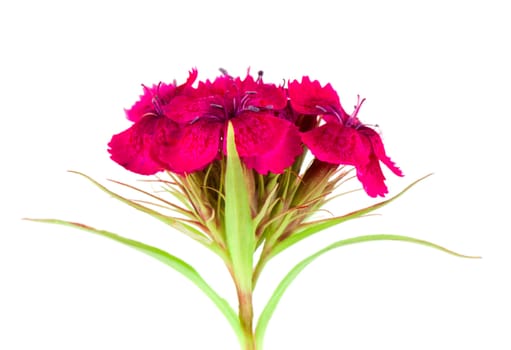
column 135, row 148
column 342, row 139
column 182, row 129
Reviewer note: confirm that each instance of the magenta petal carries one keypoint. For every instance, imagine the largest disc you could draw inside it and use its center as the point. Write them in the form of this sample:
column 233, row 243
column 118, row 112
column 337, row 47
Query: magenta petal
column 266, row 143
column 379, row 149
column 269, row 96
column 186, row 108
column 336, row 144
column 142, row 107
column 307, row 95
column 372, row 178
column 132, row 147
column 252, row 131
column 196, row 146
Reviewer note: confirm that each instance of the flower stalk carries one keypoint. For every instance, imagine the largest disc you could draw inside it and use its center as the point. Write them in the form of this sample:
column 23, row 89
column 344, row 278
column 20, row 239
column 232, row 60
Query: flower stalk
column 246, row 316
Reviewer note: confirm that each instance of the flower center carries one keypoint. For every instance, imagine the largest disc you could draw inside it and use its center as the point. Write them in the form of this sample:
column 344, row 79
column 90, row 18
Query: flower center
column 344, row 118
column 353, row 121
column 233, row 106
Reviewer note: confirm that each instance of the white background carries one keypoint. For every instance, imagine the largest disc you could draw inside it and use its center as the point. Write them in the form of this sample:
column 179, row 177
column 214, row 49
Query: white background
column 437, row 81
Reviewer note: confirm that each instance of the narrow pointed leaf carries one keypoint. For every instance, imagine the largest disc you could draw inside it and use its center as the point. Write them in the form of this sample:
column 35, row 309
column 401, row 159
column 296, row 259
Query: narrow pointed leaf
column 267, row 312
column 173, row 222
column 166, row 205
column 176, row 263
column 316, row 226
column 266, row 207
column 238, row 220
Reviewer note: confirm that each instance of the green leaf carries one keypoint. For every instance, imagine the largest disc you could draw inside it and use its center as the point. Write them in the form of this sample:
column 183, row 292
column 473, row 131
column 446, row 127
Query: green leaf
column 310, row 228
column 239, row 228
column 166, row 204
column 177, row 264
column 267, row 206
column 267, row 313
column 171, row 221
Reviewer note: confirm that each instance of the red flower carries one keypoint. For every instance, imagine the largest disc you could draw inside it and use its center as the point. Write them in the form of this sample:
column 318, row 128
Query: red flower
column 135, row 148
column 265, row 142
column 342, row 139
column 182, row 129
column 156, row 97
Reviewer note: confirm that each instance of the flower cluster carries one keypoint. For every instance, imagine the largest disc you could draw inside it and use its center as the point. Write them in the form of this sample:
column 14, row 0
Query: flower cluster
column 182, row 128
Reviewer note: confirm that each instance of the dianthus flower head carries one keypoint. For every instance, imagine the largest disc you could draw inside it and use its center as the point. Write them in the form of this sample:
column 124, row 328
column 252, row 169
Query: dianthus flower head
column 182, row 128
column 342, row 138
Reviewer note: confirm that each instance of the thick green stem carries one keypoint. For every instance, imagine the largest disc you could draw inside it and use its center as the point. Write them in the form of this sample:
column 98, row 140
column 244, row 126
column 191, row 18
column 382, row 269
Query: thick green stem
column 246, row 316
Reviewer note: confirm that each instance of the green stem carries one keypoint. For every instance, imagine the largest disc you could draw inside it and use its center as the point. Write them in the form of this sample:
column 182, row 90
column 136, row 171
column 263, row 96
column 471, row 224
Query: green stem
column 261, row 263
column 246, row 317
